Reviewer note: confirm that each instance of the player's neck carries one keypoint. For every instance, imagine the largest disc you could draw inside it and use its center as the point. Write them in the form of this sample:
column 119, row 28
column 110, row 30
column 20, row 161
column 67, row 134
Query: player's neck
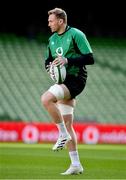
column 62, row 29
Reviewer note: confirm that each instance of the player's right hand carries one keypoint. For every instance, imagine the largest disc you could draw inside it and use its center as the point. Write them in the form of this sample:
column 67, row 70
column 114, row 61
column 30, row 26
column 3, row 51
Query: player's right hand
column 48, row 68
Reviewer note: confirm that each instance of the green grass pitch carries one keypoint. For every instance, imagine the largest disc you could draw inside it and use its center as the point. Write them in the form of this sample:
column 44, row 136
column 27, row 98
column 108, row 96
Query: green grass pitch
column 38, row 161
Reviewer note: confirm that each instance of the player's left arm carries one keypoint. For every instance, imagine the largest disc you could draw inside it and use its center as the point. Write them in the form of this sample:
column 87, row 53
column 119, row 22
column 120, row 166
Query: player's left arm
column 82, row 46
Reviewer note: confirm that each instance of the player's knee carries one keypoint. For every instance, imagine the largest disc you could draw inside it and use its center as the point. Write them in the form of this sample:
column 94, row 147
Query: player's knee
column 44, row 100
column 47, row 98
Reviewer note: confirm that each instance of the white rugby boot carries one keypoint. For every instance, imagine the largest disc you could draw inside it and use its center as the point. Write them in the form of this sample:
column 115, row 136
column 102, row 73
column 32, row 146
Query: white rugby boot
column 73, row 170
column 61, row 142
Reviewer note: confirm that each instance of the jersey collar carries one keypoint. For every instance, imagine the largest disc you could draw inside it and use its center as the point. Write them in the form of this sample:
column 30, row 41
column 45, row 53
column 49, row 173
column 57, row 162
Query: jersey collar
column 67, row 28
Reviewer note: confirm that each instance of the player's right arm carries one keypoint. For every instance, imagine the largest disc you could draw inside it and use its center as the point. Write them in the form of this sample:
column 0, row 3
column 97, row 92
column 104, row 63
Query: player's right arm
column 48, row 59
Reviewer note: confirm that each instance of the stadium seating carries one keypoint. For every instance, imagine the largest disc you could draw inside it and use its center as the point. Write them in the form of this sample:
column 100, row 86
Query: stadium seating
column 23, row 79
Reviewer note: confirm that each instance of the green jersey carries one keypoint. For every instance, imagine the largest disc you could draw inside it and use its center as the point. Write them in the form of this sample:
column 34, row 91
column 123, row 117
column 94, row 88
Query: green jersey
column 73, row 45
column 66, row 42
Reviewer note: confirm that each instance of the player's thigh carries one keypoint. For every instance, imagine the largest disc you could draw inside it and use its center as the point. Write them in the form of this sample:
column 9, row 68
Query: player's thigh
column 67, row 95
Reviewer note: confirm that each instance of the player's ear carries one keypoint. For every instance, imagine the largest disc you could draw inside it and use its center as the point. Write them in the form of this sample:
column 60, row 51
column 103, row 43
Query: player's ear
column 60, row 21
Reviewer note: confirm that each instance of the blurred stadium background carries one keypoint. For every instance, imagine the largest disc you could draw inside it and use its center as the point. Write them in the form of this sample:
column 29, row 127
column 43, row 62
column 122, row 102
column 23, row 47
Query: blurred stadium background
column 24, row 79
column 23, row 39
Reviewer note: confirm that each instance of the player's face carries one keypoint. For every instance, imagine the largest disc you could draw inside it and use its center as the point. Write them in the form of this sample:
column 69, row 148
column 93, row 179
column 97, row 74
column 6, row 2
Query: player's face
column 54, row 23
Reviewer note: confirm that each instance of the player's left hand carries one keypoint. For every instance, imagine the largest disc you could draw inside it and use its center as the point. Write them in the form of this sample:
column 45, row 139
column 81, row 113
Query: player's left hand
column 60, row 61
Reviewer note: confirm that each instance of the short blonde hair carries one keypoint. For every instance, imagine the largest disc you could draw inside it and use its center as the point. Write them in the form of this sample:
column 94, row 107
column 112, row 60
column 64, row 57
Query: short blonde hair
column 59, row 13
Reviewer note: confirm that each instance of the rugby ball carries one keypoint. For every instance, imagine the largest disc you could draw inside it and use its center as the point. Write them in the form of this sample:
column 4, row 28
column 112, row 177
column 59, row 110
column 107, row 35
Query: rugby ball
column 57, row 73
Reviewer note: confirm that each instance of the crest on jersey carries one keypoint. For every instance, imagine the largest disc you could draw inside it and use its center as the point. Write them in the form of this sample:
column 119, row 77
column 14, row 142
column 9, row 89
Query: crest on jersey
column 59, row 51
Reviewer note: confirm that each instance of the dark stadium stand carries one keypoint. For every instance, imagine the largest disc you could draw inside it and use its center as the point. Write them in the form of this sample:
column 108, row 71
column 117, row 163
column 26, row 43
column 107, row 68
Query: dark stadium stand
column 23, row 79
